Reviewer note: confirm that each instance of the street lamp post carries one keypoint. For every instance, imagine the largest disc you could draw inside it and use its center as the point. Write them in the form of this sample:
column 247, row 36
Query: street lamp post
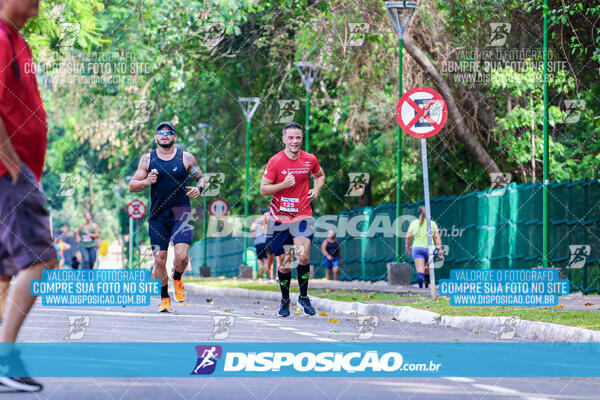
column 400, row 12
column 249, row 106
column 308, row 72
column 207, row 130
column 546, row 216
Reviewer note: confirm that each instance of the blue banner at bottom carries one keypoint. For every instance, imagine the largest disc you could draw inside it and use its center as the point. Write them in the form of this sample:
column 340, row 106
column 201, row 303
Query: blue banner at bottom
column 253, row 359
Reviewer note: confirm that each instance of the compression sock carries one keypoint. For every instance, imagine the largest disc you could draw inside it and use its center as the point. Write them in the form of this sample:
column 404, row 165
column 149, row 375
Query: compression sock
column 177, row 275
column 427, row 280
column 164, row 291
column 284, row 283
column 421, row 279
column 303, row 272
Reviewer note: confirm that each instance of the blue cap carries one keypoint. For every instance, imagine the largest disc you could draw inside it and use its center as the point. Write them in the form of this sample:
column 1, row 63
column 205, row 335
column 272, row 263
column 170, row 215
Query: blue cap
column 166, row 123
column 264, row 210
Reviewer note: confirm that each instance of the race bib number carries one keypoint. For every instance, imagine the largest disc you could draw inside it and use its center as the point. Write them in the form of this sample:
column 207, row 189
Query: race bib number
column 289, row 204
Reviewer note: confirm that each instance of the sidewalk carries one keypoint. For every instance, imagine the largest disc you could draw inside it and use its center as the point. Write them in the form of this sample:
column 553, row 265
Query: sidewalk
column 573, row 302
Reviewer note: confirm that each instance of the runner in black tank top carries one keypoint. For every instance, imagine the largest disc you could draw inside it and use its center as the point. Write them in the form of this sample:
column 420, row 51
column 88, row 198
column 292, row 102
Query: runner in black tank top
column 169, row 190
column 166, row 170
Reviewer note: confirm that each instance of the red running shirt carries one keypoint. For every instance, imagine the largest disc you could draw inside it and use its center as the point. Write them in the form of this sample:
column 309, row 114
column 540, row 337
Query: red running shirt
column 291, row 204
column 21, row 107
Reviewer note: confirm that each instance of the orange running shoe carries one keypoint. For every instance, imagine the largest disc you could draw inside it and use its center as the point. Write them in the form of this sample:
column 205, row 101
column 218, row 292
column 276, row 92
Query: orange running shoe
column 179, row 290
column 165, row 305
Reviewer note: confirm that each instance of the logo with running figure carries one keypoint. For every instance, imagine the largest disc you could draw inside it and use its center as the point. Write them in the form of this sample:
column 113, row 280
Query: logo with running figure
column 499, row 182
column 69, row 31
column 68, row 184
column 438, row 259
column 573, row 110
column 77, row 326
column 287, row 111
column 578, row 255
column 500, row 31
column 214, row 181
column 366, row 326
column 222, row 327
column 288, row 256
column 508, row 328
column 143, row 108
column 358, row 183
column 358, row 33
column 207, row 359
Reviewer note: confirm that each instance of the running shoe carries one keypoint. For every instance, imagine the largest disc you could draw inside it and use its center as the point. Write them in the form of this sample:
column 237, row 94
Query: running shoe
column 306, row 306
column 165, row 305
column 179, row 290
column 12, row 364
column 284, row 309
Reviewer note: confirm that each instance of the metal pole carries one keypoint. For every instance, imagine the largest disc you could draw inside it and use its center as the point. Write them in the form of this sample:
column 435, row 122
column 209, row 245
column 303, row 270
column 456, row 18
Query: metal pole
column 399, row 165
column 428, row 215
column 546, row 244
column 247, row 188
column 205, row 216
column 130, row 243
column 307, row 120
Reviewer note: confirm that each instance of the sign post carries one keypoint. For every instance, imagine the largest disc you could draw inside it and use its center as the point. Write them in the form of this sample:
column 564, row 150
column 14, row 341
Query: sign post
column 249, row 106
column 218, row 208
column 422, row 113
column 136, row 209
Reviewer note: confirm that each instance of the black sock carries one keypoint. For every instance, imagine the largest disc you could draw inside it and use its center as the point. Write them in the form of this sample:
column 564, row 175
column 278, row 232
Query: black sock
column 177, row 275
column 303, row 272
column 284, row 283
column 164, row 291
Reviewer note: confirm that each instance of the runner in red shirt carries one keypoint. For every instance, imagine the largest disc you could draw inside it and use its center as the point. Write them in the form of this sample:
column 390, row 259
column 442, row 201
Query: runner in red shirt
column 286, row 178
column 25, row 240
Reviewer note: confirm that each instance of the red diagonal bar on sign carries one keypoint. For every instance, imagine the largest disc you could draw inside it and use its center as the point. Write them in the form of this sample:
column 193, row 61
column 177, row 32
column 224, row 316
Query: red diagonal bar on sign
column 421, row 112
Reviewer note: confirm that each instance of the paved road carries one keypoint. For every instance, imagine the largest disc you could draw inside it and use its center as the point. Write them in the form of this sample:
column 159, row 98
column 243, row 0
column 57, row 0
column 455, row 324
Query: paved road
column 256, row 321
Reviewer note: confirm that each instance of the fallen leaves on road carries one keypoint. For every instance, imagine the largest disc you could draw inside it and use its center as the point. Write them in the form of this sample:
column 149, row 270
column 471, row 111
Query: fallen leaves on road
column 228, row 310
column 296, row 313
column 209, row 301
column 333, row 321
column 323, row 314
column 558, row 306
column 588, row 304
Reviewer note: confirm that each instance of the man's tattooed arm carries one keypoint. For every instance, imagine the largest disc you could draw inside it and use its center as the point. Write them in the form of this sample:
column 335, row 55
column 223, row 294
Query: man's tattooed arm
column 194, row 170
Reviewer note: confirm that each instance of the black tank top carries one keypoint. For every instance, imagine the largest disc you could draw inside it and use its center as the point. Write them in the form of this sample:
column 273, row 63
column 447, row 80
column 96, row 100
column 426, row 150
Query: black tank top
column 332, row 248
column 169, row 189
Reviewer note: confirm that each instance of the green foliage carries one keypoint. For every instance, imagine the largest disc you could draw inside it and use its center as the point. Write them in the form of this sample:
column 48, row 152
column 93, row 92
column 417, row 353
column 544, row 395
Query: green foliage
column 95, row 128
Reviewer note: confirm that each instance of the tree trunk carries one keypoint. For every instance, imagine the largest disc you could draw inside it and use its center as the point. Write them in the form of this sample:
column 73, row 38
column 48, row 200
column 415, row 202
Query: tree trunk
column 461, row 131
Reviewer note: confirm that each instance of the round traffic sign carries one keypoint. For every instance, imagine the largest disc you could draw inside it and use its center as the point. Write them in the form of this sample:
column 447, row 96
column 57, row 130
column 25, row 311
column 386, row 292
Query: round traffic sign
column 421, row 112
column 136, row 209
column 218, row 208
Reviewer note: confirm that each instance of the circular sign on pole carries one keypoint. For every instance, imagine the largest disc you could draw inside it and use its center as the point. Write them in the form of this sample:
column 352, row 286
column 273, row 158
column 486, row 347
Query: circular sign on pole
column 218, row 208
column 421, row 112
column 136, row 209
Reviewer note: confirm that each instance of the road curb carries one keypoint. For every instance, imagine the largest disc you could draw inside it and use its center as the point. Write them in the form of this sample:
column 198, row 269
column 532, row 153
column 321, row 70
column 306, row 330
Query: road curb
column 531, row 330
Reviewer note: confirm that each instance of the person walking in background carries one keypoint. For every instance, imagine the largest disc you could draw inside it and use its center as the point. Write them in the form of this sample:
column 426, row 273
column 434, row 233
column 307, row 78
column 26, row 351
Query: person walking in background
column 259, row 231
column 332, row 256
column 86, row 237
column 420, row 252
column 61, row 246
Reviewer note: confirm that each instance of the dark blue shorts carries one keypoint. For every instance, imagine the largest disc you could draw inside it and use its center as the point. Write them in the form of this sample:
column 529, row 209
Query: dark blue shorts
column 420, row 252
column 283, row 234
column 163, row 231
column 330, row 264
column 261, row 250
